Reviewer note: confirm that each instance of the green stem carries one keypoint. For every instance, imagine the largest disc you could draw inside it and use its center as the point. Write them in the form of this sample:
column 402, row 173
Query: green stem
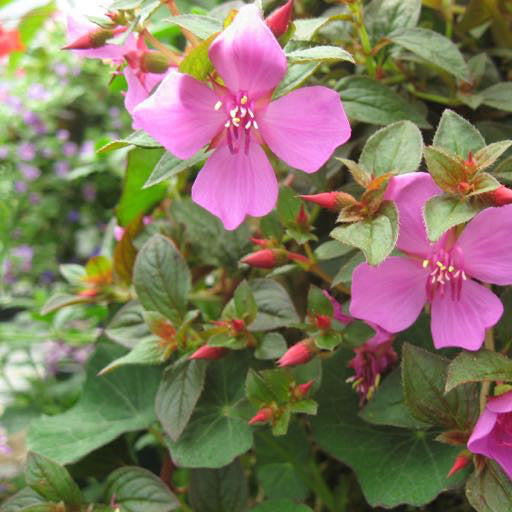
column 357, row 9
column 452, row 102
column 486, row 386
column 320, row 487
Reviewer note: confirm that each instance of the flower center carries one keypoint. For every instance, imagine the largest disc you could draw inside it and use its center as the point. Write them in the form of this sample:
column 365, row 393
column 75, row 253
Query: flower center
column 240, row 121
column 445, row 273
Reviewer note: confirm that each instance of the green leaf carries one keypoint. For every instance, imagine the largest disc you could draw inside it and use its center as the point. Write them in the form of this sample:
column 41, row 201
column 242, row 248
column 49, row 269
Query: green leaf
column 134, row 200
column 435, row 48
column 381, row 17
column 387, row 406
column 424, row 376
column 498, row 96
column 272, row 346
column 281, row 506
column 457, row 135
column 478, row 367
column 504, row 169
column 375, row 237
column 162, row 278
column 138, row 490
column 275, row 307
column 446, row 169
column 319, row 54
column 282, row 463
column 405, row 466
column 72, row 273
column 51, row 480
column 444, row 212
column 201, row 26
column 484, row 182
column 61, row 300
column 372, row 102
column 109, row 406
column 197, row 62
column 268, row 386
column 489, row 154
column 331, row 250
column 169, row 166
column 288, row 206
column 244, row 302
column 177, row 396
column 218, row 431
column 305, row 29
column 139, row 138
column 208, row 239
column 318, row 303
column 489, row 490
column 395, row 148
column 128, row 327
column 22, row 500
column 219, row 490
column 295, row 76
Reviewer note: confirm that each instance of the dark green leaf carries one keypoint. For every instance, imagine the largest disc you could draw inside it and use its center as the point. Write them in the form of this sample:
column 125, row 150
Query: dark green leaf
column 381, row 17
column 498, row 96
column 140, row 139
column 327, row 54
column 179, row 391
column 138, row 490
column 162, row 278
column 22, row 500
column 128, row 327
column 490, row 490
column 272, row 346
column 332, row 249
column 219, row 490
column 169, row 166
column 395, row 148
column 281, row 506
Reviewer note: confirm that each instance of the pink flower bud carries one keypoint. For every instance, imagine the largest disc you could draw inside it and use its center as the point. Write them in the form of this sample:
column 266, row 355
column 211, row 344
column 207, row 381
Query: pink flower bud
column 501, row 196
column 95, row 39
column 303, row 389
column 323, row 322
column 207, row 352
column 300, row 353
column 261, row 242
column 461, row 461
column 294, row 256
column 266, row 258
column 279, row 20
column 302, row 217
column 118, row 233
column 262, row 416
column 325, row 200
column 238, row 325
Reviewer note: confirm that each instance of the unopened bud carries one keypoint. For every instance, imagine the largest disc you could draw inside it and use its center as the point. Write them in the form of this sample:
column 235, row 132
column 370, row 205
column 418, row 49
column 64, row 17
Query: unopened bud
column 95, row 39
column 262, row 416
column 300, row 353
column 279, row 20
column 207, row 352
column 89, row 293
column 294, row 256
column 154, row 62
column 323, row 322
column 303, row 389
column 461, row 461
column 327, row 200
column 470, row 163
column 302, row 217
column 238, row 325
column 464, row 187
column 266, row 258
column 261, row 242
column 501, row 196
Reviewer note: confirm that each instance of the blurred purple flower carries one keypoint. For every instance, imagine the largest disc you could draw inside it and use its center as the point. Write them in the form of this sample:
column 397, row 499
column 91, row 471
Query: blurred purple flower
column 61, row 168
column 26, row 151
column 61, row 69
column 47, row 277
column 20, row 187
column 35, row 122
column 30, row 173
column 63, row 135
column 4, row 152
column 47, row 152
column 35, row 198
column 5, row 449
column 24, row 254
column 73, row 216
column 38, row 92
column 87, row 149
column 56, row 353
column 69, row 149
column 114, row 112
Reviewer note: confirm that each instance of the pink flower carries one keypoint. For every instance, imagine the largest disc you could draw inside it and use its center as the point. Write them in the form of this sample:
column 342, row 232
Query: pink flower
column 492, row 435
column 394, row 293
column 302, row 128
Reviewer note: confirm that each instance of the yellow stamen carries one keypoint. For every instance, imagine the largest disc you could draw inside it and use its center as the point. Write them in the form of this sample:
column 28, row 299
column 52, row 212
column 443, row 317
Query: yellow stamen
column 218, row 105
column 243, row 100
column 425, row 263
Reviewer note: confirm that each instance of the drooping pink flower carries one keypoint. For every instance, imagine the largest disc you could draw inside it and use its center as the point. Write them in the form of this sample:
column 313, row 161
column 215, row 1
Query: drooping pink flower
column 492, row 435
column 393, row 293
column 303, row 128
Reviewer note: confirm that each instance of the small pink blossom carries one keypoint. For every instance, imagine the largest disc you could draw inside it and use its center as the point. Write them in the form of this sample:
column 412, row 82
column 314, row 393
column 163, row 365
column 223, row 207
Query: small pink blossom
column 303, row 128
column 442, row 274
column 492, row 435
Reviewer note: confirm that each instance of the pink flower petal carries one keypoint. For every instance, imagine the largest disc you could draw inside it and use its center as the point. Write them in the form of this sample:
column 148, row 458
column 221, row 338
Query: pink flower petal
column 138, row 91
column 478, row 442
column 180, row 114
column 232, row 186
column 487, row 245
column 247, row 55
column 501, row 404
column 78, row 27
column 462, row 323
column 304, row 127
column 391, row 294
column 410, row 192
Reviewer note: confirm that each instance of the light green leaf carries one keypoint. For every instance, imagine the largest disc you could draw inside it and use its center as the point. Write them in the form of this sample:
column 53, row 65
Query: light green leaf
column 272, row 346
column 109, row 406
column 433, row 47
column 295, row 76
column 306, row 29
column 489, row 154
column 498, row 96
column 331, row 250
column 319, row 54
column 489, row 490
column 201, row 26
column 22, row 500
column 128, row 327
column 381, row 17
column 138, row 490
column 197, row 62
column 395, row 148
column 281, row 506
column 139, row 138
column 375, row 237
column 371, row 102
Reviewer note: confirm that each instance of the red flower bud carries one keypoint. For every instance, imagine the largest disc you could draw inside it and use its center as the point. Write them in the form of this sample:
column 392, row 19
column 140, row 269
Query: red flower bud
column 207, row 352
column 470, row 163
column 300, row 353
column 501, row 196
column 262, row 416
column 261, row 242
column 89, row 293
column 95, row 39
column 279, row 20
column 266, row 258
column 238, row 325
column 293, row 256
column 323, row 322
column 303, row 389
column 302, row 217
column 325, row 200
column 10, row 41
column 464, row 187
column 461, row 461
